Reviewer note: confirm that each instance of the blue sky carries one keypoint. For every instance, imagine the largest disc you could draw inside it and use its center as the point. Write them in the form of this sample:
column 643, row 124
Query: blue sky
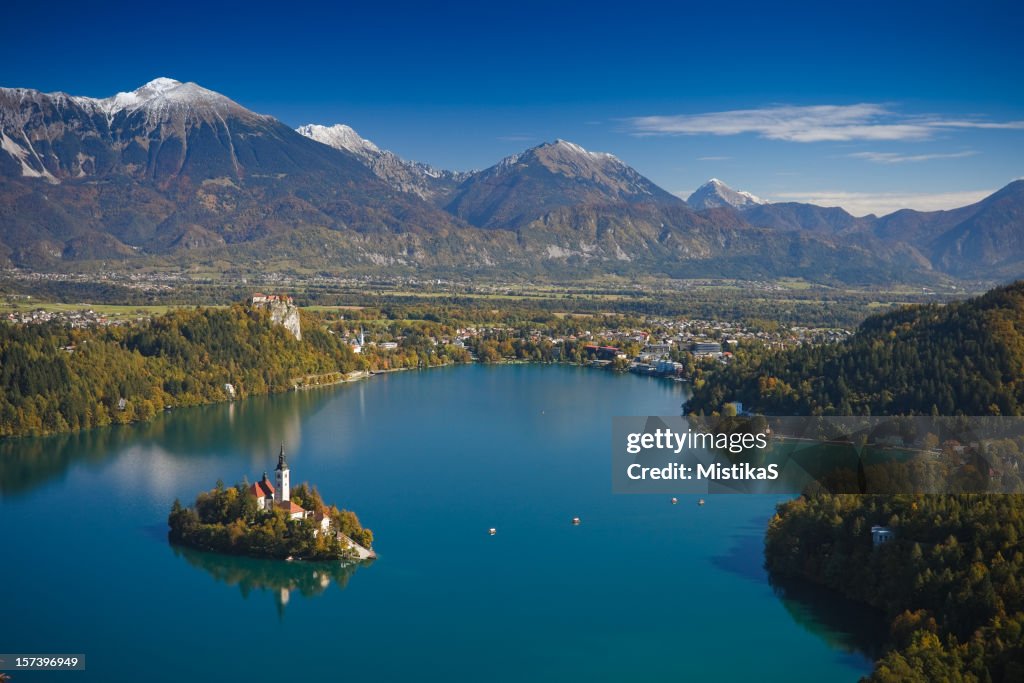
column 862, row 104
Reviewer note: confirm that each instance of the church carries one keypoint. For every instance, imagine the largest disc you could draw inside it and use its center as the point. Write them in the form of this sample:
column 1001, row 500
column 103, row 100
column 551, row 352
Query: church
column 269, row 496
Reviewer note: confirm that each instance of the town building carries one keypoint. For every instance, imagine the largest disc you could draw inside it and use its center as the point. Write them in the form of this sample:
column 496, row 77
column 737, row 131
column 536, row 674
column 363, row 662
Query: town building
column 607, row 353
column 658, row 350
column 359, row 343
column 880, row 535
column 668, row 367
column 706, row 349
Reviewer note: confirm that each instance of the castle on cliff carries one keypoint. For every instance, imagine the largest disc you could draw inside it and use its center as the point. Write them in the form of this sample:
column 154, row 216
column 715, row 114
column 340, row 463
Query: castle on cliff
column 282, row 309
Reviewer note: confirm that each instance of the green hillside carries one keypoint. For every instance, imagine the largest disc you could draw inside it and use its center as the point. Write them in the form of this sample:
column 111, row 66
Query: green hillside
column 965, row 358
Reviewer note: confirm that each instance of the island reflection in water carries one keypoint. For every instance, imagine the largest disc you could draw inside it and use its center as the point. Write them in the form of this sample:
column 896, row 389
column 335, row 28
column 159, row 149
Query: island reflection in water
column 283, row 580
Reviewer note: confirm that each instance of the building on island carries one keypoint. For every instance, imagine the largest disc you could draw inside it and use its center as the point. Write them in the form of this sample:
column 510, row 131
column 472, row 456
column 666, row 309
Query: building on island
column 283, row 475
column 277, row 495
column 270, row 496
column 263, row 491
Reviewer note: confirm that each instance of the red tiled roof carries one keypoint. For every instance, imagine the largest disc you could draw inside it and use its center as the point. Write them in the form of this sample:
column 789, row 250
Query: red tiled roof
column 289, row 506
column 262, row 489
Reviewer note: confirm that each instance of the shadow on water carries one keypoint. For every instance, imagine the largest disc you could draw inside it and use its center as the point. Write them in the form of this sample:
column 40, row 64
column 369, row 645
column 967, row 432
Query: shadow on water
column 855, row 630
column 283, row 580
column 247, row 426
column 849, row 627
column 745, row 557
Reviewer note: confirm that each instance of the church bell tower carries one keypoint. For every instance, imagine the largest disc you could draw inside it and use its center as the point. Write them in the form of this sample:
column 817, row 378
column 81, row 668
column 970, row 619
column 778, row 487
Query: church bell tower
column 283, row 492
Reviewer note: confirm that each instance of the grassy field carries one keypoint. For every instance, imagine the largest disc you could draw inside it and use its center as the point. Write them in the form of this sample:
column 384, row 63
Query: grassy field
column 108, row 310
column 789, row 300
column 331, row 309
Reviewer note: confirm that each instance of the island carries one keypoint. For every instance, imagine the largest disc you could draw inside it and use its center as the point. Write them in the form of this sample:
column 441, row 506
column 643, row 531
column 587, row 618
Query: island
column 270, row 520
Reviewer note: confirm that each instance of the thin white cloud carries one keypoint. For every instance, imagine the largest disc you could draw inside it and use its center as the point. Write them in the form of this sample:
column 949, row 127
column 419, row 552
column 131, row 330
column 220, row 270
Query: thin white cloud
column 897, row 158
column 817, row 123
column 994, row 125
column 881, row 203
column 713, row 158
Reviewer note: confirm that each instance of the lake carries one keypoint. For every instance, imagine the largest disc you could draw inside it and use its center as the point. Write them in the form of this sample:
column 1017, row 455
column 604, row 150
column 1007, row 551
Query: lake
column 641, row 590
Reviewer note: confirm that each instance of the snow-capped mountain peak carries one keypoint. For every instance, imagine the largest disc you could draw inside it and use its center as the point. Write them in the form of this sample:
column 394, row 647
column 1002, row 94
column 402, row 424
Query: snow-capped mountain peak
column 573, row 148
column 340, row 136
column 155, row 88
column 714, row 194
column 161, row 95
column 418, row 178
column 133, row 99
column 562, row 155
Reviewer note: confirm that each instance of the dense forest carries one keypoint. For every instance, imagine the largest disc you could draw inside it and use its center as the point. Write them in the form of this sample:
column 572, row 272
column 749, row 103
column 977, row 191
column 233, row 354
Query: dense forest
column 59, row 378
column 227, row 520
column 951, row 582
column 964, row 358
column 55, row 378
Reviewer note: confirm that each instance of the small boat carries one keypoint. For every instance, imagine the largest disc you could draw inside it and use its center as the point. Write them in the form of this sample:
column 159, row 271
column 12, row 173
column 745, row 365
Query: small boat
column 576, row 521
column 492, row 531
column 700, row 502
column 675, row 500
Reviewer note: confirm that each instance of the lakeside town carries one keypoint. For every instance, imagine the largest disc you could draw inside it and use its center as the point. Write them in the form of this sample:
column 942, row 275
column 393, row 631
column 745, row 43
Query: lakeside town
column 653, row 345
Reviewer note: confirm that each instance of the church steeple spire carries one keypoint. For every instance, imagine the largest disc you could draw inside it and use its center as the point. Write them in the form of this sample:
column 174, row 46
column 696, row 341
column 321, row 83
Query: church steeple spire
column 283, row 492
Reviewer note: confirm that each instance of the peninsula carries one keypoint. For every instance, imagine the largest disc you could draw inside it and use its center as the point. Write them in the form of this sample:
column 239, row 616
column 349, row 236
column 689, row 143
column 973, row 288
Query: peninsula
column 270, row 520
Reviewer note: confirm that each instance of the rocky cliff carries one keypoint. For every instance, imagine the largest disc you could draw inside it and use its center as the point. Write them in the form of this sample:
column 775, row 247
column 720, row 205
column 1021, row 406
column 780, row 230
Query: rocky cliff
column 282, row 312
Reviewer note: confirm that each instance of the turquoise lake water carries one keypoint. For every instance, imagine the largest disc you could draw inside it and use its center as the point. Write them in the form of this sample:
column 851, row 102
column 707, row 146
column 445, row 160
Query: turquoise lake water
column 641, row 590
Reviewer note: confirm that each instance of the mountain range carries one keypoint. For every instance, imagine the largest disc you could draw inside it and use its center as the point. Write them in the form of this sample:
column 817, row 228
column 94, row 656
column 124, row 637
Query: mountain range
column 982, row 239
column 175, row 174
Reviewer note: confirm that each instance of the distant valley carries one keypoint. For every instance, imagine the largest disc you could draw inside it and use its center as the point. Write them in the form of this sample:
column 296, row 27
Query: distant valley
column 174, row 175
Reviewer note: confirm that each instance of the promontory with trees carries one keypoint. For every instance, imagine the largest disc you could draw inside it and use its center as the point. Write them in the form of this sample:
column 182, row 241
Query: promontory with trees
column 950, row 583
column 56, row 378
column 950, row 576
